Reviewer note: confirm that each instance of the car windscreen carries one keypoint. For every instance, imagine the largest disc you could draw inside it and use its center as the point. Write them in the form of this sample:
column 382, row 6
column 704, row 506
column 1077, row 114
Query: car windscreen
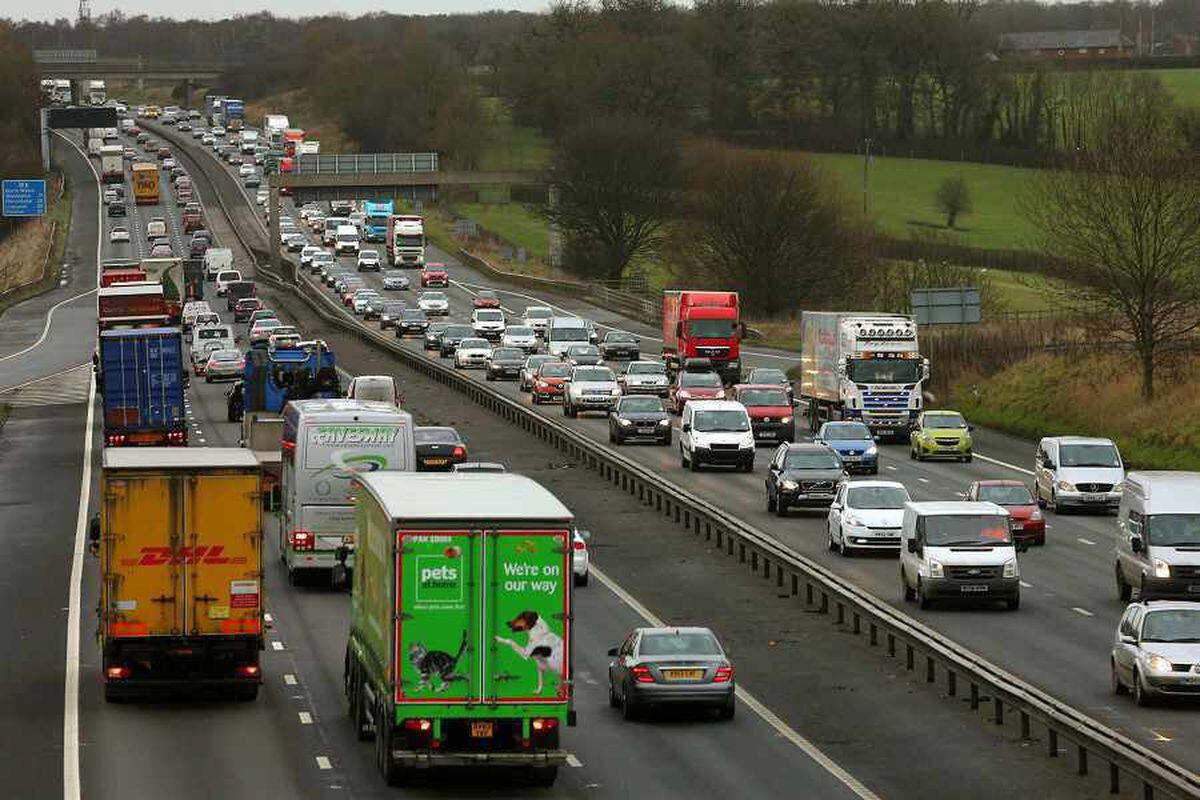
column 414, row 314
column 853, row 432
column 767, row 375
column 811, row 459
column 634, row 405
column 1088, row 455
column 435, row 436
column 569, row 334
column 457, row 331
column 538, row 312
column 368, row 255
column 725, row 420
column 508, row 354
column 646, row 369
column 475, row 344
column 592, row 374
column 226, row 355
column 583, row 350
column 948, row 530
column 519, row 331
column 945, row 421
column 435, row 296
column 764, row 397
column 1179, row 625
column 554, row 370
column 1006, row 495
column 678, row 644
column 1174, row 530
column 873, row 497
column 884, row 370
column 615, row 336
column 489, row 316
column 699, row 380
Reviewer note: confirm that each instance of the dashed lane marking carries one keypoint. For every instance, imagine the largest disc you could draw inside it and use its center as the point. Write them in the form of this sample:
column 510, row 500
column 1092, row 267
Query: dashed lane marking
column 573, row 761
column 1082, row 540
column 324, row 763
column 1082, row 611
column 289, row 679
column 276, row 645
column 305, row 718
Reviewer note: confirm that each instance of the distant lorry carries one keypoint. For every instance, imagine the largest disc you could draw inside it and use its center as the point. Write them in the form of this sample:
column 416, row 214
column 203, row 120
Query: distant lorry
column 96, row 93
column 291, row 138
column 309, row 147
column 141, row 378
column 233, row 111
column 273, row 127
column 326, row 445
column 375, row 226
column 703, row 325
column 861, row 366
column 62, row 91
column 122, row 303
column 406, row 240
column 94, row 145
column 179, row 540
column 272, row 378
column 168, row 272
column 112, row 163
column 460, row 650
column 145, row 183
column 122, row 274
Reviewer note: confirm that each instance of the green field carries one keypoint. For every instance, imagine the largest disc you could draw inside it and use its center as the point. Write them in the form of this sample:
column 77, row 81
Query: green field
column 900, row 198
column 509, row 146
column 516, row 223
column 1183, row 84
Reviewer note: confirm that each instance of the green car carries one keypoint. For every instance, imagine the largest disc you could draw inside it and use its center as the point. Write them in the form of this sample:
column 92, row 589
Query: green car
column 941, row 434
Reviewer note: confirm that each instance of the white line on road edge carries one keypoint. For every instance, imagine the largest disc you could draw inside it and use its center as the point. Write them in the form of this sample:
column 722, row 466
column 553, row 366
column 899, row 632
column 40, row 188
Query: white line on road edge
column 276, row 645
column 1082, row 540
column 289, row 679
column 323, row 762
column 573, row 761
column 46, row 328
column 71, row 787
column 768, row 716
column 997, row 461
column 1082, row 611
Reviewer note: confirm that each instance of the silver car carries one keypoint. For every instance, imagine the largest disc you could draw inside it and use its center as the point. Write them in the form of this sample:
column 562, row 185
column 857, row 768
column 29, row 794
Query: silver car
column 645, row 377
column 590, row 389
column 395, row 281
column 520, row 336
column 472, row 353
column 670, row 667
column 434, row 303
column 1156, row 651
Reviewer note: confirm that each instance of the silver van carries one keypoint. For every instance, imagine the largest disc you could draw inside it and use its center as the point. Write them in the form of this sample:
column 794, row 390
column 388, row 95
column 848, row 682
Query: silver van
column 1077, row 472
column 1157, row 547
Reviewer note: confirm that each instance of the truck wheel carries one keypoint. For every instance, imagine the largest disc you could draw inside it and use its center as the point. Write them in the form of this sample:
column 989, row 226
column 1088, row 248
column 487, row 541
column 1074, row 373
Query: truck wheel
column 358, row 714
column 393, row 774
column 543, row 776
column 114, row 694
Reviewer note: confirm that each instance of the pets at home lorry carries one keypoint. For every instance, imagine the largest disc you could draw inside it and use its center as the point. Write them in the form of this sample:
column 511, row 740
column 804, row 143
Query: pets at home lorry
column 460, row 623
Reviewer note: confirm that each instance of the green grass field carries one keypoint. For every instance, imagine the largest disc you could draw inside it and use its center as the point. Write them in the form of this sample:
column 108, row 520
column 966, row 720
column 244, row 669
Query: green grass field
column 900, row 198
column 1183, row 84
column 509, row 146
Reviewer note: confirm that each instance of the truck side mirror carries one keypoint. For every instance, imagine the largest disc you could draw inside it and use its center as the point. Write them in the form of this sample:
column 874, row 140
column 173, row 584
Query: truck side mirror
column 1135, row 544
column 612, row 652
column 686, row 427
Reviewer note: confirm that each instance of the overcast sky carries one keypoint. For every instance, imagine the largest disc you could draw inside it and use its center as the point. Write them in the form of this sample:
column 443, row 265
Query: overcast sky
column 218, row 9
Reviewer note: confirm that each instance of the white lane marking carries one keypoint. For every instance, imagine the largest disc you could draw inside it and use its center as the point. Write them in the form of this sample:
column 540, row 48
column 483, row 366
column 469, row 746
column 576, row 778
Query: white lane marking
column 889, row 466
column 1082, row 611
column 1159, row 737
column 276, row 645
column 923, row 480
column 751, row 702
column 1082, row 540
column 203, row 440
column 289, row 679
column 998, row 462
column 71, row 788
column 324, row 763
column 587, row 678
column 305, row 718
column 573, row 761
column 1025, row 585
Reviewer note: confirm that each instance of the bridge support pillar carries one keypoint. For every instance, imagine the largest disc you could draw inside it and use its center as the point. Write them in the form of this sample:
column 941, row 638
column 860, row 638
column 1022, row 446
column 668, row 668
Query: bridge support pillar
column 187, row 93
column 273, row 230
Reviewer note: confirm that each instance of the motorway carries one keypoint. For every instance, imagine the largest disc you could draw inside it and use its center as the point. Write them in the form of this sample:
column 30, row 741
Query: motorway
column 824, row 693
column 1059, row 640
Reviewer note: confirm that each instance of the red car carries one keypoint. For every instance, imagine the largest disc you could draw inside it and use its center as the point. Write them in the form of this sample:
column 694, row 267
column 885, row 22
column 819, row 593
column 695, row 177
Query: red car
column 771, row 415
column 435, row 275
column 1016, row 499
column 486, row 299
column 548, row 381
column 694, row 386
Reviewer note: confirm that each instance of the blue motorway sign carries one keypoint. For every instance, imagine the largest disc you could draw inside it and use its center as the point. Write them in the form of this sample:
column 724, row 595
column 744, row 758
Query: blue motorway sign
column 24, row 198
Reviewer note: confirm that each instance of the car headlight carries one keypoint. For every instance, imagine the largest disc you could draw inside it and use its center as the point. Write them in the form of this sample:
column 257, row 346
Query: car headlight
column 615, row 392
column 785, row 420
column 1065, row 486
column 1157, row 663
column 1036, row 515
column 1161, row 568
column 684, row 394
column 853, row 521
column 720, row 395
column 789, row 486
column 1010, row 568
column 1118, row 489
column 624, row 423
column 871, row 451
column 664, row 423
column 935, row 570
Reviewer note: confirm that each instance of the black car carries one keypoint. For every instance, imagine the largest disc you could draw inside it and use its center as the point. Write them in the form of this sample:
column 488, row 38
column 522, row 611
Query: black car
column 583, row 355
column 438, row 449
column 234, row 401
column 451, row 336
column 803, row 475
column 618, row 344
column 117, row 209
column 412, row 322
column 390, row 314
column 640, row 417
column 433, row 335
column 505, row 362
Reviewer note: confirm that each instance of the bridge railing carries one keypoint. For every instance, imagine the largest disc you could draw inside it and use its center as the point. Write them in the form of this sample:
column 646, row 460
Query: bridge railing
column 367, row 163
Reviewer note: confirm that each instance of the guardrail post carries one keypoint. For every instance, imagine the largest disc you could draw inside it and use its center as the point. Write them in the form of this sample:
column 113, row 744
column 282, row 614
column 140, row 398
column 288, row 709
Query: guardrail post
column 824, row 609
column 1052, row 746
column 795, row 584
column 874, row 635
column 1114, row 779
column 930, row 672
column 841, row 613
column 999, row 705
column 974, row 696
column 741, row 552
column 891, row 644
column 1025, row 726
column 857, row 623
column 909, row 656
column 951, row 683
column 753, row 561
column 808, row 593
column 1147, row 791
column 1081, row 752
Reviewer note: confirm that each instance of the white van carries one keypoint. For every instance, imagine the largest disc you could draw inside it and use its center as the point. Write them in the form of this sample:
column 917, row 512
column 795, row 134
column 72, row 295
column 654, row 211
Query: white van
column 1077, row 472
column 190, row 310
column 346, row 241
column 1158, row 535
column 325, row 444
column 716, row 432
column 329, row 235
column 564, row 332
column 958, row 549
column 203, row 334
column 215, row 260
column 226, row 277
column 380, row 388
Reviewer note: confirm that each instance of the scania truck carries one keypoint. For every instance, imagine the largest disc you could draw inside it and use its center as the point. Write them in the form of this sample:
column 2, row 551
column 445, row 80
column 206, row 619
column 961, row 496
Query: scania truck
column 179, row 540
column 703, row 325
column 406, row 240
column 460, row 651
column 375, row 226
column 861, row 366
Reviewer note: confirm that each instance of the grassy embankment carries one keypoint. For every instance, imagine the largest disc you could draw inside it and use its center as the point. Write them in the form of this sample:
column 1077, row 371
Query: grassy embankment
column 23, row 253
column 302, row 114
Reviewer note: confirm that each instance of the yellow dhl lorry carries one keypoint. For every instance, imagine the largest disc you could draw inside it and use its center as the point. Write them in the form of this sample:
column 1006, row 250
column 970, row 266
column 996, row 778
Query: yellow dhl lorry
column 179, row 539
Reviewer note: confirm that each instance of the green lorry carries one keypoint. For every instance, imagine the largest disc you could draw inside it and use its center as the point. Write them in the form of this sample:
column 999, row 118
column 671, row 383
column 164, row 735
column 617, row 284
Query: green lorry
column 460, row 623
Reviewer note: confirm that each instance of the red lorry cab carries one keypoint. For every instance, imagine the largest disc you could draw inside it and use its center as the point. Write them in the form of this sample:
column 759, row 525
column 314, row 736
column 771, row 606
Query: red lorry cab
column 703, row 325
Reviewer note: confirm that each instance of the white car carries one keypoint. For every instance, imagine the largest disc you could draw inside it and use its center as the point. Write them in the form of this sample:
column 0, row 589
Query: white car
column 538, row 318
column 119, row 234
column 472, row 353
column 368, row 260
column 191, row 309
column 245, row 170
column 168, row 163
column 580, row 560
column 316, row 222
column 320, row 260
column 867, row 515
column 156, row 228
column 218, row 131
column 226, row 277
column 521, row 336
column 434, row 303
column 645, row 377
column 365, row 299
column 202, row 351
column 261, row 196
column 307, row 253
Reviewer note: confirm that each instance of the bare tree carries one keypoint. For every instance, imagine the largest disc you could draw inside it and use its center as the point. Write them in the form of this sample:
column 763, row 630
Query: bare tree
column 1126, row 215
column 615, row 181
column 953, row 197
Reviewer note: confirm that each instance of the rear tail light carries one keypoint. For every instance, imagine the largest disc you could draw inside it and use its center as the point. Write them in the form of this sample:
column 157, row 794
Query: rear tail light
column 580, row 544
column 724, row 675
column 177, row 437
column 116, row 673
column 459, row 452
column 247, row 671
column 301, row 540
column 422, row 725
column 543, row 725
column 642, row 674
column 115, row 439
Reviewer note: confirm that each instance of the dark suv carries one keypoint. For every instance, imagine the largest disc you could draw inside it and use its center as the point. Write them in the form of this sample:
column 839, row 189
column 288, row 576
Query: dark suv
column 803, row 475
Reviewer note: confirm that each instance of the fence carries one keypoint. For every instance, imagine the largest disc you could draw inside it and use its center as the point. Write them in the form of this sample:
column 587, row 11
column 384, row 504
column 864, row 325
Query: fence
column 366, row 163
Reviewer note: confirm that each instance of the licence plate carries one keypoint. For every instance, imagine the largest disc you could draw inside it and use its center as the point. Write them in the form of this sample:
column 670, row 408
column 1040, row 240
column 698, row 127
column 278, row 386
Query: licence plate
column 851, row 458
column 436, row 462
column 482, row 730
column 1017, row 526
column 973, row 587
column 1093, row 498
column 683, row 674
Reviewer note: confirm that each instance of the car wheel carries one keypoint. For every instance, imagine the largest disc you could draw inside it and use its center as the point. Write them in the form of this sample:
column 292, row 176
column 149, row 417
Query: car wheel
column 728, row 710
column 770, row 501
column 909, row 594
column 613, row 702
column 1140, row 695
column 682, row 458
column 1117, row 686
column 1037, row 494
column 922, row 599
column 1124, row 590
column 969, row 458
column 781, row 507
column 694, row 463
column 829, row 541
column 629, row 708
column 1053, row 503
column 912, row 453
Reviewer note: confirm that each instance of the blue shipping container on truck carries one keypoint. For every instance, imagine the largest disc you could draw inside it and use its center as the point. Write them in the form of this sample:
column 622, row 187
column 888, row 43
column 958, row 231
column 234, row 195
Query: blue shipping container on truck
column 141, row 377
